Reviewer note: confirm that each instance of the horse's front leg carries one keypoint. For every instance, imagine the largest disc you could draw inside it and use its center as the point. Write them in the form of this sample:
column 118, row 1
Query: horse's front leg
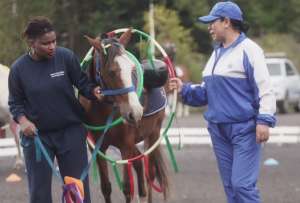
column 104, row 177
column 138, row 166
column 126, row 180
column 127, row 153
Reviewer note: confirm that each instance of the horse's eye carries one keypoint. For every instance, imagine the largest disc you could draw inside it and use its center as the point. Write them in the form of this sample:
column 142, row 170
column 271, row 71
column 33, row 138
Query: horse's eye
column 111, row 73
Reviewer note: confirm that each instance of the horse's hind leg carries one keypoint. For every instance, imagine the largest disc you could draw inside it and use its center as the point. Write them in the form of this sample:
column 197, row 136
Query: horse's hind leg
column 104, row 176
column 157, row 171
column 157, row 168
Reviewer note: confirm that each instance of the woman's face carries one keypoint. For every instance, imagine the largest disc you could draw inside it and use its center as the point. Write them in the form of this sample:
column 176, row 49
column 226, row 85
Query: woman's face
column 217, row 30
column 44, row 46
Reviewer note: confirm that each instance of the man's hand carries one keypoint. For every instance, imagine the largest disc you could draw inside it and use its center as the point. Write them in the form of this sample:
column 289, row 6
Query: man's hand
column 97, row 93
column 27, row 127
column 175, row 83
column 262, row 133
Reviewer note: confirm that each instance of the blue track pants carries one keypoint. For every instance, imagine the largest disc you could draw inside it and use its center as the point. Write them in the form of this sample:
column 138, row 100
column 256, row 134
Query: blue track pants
column 69, row 148
column 238, row 158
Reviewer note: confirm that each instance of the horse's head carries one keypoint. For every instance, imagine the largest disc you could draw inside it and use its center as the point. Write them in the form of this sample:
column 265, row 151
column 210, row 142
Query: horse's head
column 113, row 70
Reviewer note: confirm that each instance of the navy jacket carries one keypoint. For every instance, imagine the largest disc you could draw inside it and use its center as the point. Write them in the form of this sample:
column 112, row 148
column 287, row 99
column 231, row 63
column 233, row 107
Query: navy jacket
column 43, row 90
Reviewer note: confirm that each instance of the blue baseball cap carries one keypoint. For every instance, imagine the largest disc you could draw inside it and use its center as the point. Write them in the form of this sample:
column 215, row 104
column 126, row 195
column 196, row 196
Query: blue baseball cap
column 223, row 9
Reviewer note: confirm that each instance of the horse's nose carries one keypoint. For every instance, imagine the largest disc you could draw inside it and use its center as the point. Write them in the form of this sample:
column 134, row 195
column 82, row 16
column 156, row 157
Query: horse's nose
column 133, row 119
column 129, row 118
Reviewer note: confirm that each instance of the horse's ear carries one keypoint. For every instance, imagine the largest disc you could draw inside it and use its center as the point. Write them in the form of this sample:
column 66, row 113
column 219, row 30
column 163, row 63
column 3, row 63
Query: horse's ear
column 125, row 37
column 94, row 42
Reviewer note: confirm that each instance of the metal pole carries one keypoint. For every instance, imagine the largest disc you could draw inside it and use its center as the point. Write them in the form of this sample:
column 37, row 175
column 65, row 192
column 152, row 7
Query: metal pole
column 151, row 25
column 14, row 8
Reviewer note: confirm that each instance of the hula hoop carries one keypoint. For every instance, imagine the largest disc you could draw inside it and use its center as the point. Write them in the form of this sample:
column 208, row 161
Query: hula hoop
column 171, row 116
column 157, row 45
column 167, row 59
column 125, row 161
column 139, row 90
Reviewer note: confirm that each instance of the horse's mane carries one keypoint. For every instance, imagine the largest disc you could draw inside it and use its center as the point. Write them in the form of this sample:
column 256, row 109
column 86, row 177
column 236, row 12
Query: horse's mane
column 112, row 51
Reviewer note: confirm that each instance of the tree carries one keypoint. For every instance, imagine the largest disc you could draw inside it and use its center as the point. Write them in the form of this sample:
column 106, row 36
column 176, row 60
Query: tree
column 295, row 24
column 168, row 29
column 75, row 18
column 13, row 16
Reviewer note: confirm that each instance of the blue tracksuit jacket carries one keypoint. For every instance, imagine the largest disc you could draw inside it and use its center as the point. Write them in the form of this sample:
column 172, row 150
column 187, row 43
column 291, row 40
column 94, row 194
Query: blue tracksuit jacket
column 236, row 85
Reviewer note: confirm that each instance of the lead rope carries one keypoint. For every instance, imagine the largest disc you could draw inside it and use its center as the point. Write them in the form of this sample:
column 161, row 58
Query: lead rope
column 71, row 189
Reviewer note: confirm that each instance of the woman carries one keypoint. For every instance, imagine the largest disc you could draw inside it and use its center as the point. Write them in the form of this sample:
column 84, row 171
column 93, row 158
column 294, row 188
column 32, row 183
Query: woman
column 41, row 97
column 241, row 105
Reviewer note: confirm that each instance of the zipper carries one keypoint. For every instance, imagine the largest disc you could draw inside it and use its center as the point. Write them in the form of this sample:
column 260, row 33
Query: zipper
column 217, row 58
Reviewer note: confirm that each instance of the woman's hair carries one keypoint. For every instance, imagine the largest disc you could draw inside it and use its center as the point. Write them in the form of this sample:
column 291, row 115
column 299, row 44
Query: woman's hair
column 37, row 27
column 240, row 26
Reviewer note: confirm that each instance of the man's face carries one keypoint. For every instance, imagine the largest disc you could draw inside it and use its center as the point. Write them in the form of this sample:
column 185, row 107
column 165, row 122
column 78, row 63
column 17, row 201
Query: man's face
column 217, row 30
column 44, row 46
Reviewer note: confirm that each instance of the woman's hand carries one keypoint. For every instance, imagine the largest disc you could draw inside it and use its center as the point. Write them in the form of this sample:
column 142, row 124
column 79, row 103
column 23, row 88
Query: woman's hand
column 97, row 93
column 27, row 127
column 262, row 133
column 175, row 83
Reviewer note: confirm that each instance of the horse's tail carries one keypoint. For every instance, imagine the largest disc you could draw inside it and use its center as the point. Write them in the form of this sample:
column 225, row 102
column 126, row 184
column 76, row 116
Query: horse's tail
column 158, row 170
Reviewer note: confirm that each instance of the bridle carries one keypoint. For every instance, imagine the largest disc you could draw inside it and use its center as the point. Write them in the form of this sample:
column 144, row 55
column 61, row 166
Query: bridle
column 98, row 65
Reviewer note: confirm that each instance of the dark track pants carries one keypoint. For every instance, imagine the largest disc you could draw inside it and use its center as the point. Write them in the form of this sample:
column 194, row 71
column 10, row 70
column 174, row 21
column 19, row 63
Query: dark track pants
column 238, row 157
column 69, row 147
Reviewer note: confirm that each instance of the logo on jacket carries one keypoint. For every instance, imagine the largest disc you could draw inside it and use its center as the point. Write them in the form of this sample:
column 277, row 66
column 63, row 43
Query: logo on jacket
column 57, row 74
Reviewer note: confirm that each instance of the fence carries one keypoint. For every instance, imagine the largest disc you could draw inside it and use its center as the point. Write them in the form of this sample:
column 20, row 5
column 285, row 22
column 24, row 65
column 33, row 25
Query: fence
column 190, row 136
column 195, row 136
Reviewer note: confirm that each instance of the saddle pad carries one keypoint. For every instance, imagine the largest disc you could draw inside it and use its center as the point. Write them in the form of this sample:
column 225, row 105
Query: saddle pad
column 157, row 101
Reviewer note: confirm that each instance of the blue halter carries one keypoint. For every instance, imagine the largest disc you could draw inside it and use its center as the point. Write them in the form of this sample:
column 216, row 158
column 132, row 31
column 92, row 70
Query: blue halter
column 109, row 92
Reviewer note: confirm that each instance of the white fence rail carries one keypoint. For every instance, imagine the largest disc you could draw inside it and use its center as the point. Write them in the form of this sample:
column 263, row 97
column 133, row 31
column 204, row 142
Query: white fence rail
column 190, row 136
column 193, row 136
column 8, row 147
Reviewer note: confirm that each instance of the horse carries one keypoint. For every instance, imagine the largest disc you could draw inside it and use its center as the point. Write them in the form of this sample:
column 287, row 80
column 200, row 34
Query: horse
column 5, row 117
column 4, row 114
column 116, row 72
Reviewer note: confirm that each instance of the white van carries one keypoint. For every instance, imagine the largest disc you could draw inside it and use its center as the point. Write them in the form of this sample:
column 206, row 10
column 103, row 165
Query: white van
column 286, row 82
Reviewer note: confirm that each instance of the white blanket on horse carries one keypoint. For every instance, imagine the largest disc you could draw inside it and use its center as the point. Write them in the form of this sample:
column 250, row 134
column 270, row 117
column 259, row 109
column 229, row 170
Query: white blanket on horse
column 4, row 112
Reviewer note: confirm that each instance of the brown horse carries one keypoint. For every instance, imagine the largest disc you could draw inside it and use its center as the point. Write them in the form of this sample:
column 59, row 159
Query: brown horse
column 116, row 73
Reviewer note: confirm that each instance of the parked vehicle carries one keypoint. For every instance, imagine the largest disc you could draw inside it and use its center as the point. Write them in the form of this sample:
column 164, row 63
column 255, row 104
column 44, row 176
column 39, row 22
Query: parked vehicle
column 286, row 82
